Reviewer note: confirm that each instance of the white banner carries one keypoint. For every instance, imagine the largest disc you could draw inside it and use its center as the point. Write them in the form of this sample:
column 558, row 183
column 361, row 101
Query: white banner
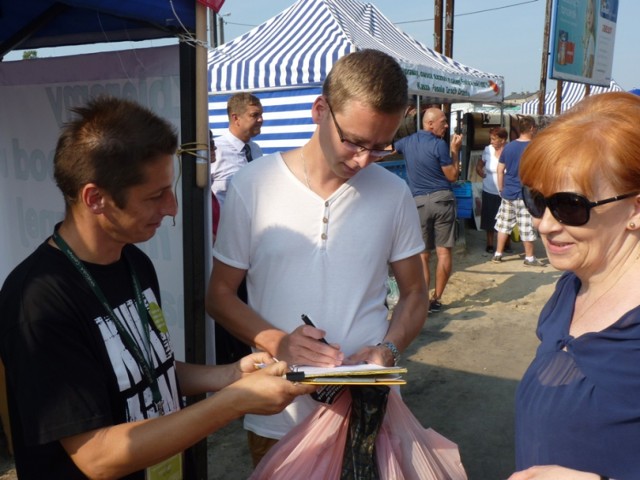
column 453, row 87
column 35, row 98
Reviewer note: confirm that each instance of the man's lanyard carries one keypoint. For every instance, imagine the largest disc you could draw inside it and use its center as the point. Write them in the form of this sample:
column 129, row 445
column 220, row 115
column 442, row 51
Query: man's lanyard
column 132, row 345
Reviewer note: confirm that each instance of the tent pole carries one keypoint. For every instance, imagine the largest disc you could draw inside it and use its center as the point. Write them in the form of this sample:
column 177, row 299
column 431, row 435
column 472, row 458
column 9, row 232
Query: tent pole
column 195, row 251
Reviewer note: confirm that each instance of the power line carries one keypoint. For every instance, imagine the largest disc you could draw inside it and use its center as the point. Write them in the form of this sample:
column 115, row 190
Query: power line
column 470, row 13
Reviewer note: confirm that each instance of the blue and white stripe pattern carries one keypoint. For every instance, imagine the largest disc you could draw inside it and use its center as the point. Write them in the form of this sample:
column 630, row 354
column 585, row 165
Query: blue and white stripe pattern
column 287, row 117
column 300, row 45
column 296, row 47
column 572, row 93
column 285, row 60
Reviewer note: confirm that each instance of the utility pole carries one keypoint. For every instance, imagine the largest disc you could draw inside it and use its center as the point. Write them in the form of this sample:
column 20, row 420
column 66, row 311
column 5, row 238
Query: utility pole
column 448, row 29
column 448, row 46
column 559, row 86
column 213, row 28
column 437, row 25
column 221, row 28
column 545, row 60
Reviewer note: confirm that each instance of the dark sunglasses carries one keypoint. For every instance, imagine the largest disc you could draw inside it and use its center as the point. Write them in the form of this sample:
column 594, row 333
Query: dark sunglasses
column 569, row 208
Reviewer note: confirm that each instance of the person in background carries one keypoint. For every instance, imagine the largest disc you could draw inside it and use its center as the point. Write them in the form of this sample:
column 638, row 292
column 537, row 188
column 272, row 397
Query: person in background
column 93, row 387
column 299, row 226
column 487, row 169
column 234, row 147
column 512, row 211
column 432, row 167
column 577, row 409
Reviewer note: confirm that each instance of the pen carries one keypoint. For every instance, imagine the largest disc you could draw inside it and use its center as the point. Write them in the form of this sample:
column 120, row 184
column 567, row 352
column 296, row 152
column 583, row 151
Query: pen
column 308, row 321
column 258, row 366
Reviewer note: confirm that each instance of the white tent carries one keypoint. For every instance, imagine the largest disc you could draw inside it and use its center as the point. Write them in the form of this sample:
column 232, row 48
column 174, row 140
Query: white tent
column 572, row 93
column 285, row 60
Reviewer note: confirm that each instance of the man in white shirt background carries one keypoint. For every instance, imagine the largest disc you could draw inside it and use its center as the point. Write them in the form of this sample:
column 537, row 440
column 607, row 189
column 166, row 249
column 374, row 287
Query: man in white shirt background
column 234, row 147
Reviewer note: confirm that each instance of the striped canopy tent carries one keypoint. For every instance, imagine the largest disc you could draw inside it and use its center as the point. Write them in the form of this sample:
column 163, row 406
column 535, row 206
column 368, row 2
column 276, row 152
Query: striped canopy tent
column 285, row 60
column 572, row 93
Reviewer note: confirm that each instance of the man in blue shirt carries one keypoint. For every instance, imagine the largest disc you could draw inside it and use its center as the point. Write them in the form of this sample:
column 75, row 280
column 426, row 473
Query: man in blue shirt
column 512, row 211
column 432, row 166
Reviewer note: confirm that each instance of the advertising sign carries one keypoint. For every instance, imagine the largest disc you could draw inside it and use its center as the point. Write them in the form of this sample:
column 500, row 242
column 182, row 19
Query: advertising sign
column 583, row 37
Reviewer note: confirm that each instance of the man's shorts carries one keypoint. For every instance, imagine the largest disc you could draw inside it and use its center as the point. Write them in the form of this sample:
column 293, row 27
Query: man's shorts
column 512, row 212
column 437, row 212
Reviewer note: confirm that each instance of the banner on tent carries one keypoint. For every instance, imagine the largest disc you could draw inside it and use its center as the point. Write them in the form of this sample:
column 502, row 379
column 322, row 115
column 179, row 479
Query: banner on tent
column 449, row 86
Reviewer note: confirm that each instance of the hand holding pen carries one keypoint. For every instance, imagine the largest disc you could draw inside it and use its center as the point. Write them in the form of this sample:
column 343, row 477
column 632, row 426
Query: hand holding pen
column 313, row 351
column 308, row 321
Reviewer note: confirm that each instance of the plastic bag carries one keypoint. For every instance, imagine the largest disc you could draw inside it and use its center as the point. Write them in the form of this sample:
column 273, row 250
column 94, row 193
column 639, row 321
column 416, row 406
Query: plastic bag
column 515, row 234
column 404, row 449
column 393, row 292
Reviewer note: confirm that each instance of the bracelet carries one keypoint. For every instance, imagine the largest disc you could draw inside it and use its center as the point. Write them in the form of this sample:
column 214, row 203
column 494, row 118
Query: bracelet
column 394, row 351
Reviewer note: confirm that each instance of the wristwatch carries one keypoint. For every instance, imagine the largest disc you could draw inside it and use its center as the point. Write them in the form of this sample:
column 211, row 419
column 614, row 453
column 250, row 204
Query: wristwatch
column 394, row 351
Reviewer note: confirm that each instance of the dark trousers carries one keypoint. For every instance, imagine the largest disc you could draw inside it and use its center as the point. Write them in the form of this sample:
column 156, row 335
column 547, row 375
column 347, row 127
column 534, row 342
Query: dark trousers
column 228, row 348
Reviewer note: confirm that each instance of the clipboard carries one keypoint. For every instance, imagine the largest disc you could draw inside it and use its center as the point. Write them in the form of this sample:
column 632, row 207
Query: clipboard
column 364, row 374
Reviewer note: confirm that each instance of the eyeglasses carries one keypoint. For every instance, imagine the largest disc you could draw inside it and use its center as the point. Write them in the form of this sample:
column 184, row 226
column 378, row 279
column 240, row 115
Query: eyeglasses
column 355, row 148
column 569, row 208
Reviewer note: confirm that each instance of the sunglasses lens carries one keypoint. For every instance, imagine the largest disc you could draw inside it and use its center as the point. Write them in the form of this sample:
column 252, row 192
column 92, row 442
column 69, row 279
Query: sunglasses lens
column 534, row 201
column 570, row 208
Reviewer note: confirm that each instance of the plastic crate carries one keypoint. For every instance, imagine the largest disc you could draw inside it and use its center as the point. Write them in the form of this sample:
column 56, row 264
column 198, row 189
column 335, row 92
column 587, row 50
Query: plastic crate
column 462, row 190
column 464, row 199
column 395, row 166
column 464, row 212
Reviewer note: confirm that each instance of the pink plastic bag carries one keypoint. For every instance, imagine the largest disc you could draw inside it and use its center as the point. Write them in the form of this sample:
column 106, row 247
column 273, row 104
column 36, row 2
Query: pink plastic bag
column 404, row 449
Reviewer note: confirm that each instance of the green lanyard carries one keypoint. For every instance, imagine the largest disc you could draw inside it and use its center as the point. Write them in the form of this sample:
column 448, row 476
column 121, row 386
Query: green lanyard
column 145, row 364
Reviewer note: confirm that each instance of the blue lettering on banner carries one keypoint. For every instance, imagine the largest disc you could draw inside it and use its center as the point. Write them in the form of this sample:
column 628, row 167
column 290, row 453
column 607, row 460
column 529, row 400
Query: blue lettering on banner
column 161, row 96
column 34, row 165
column 35, row 225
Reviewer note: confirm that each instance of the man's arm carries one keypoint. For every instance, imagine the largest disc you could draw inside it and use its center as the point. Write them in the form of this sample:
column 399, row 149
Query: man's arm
column 408, row 316
column 300, row 346
column 500, row 171
column 115, row 451
column 452, row 171
column 410, row 312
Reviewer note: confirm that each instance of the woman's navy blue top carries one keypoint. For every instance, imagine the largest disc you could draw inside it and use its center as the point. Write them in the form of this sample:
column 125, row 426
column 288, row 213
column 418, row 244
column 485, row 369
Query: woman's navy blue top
column 578, row 404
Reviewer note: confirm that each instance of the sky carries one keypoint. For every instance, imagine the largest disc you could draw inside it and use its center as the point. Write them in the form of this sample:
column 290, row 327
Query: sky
column 504, row 37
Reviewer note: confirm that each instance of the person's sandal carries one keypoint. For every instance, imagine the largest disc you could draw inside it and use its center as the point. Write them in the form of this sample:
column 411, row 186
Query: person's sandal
column 434, row 306
column 533, row 263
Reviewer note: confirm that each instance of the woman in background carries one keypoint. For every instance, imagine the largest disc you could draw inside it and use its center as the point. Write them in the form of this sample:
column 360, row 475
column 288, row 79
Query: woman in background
column 578, row 407
column 487, row 169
